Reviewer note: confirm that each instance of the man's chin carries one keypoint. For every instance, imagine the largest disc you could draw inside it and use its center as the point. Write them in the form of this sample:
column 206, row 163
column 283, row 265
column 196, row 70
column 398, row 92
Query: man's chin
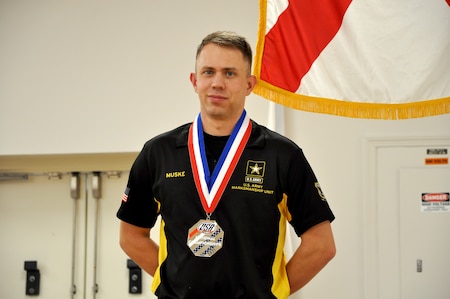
column 216, row 112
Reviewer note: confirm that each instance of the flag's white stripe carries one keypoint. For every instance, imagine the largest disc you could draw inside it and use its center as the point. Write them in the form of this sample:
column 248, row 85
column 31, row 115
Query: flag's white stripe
column 274, row 10
column 385, row 52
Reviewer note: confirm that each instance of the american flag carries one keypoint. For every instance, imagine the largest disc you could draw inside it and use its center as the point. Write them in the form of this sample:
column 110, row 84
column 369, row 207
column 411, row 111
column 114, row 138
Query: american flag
column 125, row 194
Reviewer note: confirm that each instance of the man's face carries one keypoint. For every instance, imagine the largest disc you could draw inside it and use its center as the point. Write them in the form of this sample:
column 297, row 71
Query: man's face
column 222, row 82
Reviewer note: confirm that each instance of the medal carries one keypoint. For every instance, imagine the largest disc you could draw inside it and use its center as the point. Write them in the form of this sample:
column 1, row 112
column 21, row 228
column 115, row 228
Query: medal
column 205, row 237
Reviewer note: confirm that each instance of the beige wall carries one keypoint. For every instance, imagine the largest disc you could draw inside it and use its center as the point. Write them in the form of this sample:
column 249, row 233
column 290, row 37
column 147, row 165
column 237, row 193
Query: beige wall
column 81, row 77
column 104, row 76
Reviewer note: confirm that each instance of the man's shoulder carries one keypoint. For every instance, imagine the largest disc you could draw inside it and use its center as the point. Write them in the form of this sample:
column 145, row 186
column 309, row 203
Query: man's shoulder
column 177, row 136
column 265, row 136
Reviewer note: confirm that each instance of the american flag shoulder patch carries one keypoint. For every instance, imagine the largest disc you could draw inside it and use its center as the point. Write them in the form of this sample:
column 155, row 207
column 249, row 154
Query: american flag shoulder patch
column 125, row 194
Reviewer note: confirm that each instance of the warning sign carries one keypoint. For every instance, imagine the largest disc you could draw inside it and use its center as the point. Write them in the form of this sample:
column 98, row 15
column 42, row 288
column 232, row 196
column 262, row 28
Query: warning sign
column 436, row 161
column 435, row 202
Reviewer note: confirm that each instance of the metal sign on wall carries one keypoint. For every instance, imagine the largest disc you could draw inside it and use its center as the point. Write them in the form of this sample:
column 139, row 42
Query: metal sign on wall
column 436, row 202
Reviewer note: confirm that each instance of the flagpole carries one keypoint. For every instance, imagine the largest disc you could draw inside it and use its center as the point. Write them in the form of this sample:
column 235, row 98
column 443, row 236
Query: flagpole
column 276, row 122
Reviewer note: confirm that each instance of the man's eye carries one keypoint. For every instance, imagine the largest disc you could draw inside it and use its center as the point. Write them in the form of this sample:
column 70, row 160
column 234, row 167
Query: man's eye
column 207, row 72
column 230, row 74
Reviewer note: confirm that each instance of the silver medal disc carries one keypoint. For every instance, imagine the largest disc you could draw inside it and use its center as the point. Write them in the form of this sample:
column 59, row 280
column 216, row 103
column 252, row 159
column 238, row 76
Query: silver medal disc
column 205, row 238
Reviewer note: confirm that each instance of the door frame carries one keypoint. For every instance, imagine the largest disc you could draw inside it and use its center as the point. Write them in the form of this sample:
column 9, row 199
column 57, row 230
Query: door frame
column 371, row 147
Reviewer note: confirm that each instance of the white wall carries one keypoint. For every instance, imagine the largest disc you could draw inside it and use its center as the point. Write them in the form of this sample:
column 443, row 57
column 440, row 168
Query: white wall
column 335, row 148
column 104, row 76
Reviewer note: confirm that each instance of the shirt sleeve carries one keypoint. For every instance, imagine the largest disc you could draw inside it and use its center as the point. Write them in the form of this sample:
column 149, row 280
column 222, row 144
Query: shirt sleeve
column 138, row 206
column 305, row 200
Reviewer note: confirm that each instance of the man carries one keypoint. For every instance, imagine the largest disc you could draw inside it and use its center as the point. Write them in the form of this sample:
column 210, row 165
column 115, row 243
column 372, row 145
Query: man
column 224, row 187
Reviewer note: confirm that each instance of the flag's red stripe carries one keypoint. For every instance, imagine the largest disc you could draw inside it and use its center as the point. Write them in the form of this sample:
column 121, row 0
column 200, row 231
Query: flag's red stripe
column 296, row 40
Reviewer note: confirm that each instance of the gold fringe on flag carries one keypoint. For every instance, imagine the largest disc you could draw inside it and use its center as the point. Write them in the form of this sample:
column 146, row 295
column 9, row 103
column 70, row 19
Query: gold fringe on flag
column 353, row 109
column 387, row 111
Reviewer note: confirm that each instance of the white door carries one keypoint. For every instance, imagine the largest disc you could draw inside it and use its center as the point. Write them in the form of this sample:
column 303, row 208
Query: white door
column 36, row 225
column 39, row 221
column 392, row 219
column 424, row 233
column 107, row 270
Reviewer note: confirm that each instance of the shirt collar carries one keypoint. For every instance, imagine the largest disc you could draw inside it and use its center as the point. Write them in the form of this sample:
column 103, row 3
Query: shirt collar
column 257, row 137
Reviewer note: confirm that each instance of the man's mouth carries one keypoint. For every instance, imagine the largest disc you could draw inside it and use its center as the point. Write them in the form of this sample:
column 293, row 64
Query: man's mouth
column 216, row 97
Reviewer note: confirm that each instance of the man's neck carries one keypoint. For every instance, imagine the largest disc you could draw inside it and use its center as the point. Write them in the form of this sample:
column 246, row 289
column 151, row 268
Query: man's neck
column 219, row 127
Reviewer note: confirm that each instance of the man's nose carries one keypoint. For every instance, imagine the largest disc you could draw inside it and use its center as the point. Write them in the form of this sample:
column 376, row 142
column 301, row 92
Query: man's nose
column 218, row 81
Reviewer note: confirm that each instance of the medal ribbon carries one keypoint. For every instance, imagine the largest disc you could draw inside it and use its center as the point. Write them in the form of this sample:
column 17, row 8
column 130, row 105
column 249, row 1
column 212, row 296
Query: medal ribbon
column 211, row 187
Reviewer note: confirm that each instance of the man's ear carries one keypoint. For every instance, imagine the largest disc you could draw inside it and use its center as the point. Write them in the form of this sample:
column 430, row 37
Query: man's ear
column 193, row 78
column 251, row 83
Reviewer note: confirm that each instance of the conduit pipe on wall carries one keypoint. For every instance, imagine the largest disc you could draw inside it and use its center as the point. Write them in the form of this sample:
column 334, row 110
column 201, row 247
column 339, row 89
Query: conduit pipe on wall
column 96, row 193
column 75, row 195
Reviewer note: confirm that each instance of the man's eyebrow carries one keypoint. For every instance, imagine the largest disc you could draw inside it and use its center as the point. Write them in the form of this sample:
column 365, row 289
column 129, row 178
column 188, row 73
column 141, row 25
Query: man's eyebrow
column 231, row 69
column 213, row 68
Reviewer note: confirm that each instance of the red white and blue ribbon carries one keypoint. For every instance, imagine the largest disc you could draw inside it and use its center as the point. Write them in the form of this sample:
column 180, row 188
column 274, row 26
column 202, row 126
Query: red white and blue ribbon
column 210, row 187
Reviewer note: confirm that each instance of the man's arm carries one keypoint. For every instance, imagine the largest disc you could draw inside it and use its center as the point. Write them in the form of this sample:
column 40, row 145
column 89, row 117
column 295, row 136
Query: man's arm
column 317, row 248
column 136, row 243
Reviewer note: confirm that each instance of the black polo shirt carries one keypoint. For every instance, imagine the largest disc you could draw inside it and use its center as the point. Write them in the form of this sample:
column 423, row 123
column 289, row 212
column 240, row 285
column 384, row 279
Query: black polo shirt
column 272, row 183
